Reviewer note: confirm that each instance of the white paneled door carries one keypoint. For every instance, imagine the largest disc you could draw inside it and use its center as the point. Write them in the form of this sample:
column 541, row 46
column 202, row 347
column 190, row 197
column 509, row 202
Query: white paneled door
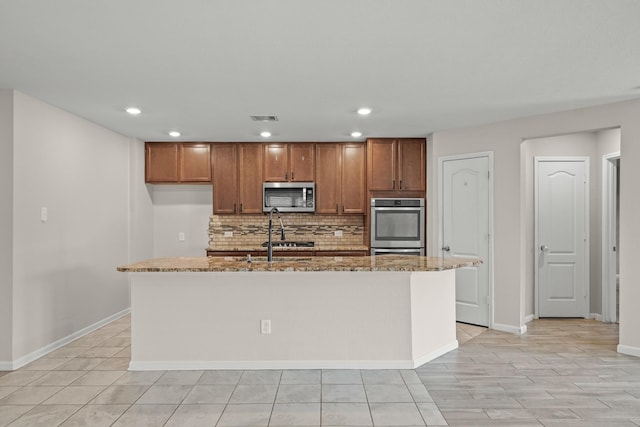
column 561, row 237
column 465, row 233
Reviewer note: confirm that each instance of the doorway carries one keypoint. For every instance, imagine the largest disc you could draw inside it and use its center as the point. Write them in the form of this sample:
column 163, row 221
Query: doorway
column 562, row 236
column 610, row 237
column 466, row 219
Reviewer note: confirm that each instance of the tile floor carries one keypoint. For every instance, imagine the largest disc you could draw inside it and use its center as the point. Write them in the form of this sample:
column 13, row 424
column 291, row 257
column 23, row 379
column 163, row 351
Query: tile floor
column 560, row 373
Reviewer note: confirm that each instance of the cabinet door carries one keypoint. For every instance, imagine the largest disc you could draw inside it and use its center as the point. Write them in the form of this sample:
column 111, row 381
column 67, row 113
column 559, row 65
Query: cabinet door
column 353, row 179
column 412, row 165
column 382, row 164
column 161, row 162
column 250, row 178
column 276, row 163
column 225, row 178
column 327, row 178
column 302, row 162
column 195, row 162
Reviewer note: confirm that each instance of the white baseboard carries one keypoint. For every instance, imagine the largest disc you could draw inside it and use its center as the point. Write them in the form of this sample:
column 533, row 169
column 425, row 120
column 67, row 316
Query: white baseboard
column 34, row 355
column 435, row 354
column 188, row 365
column 528, row 318
column 631, row 351
column 508, row 328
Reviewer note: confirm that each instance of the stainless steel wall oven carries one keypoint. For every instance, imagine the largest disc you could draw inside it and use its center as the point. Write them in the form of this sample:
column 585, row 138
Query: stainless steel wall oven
column 397, row 226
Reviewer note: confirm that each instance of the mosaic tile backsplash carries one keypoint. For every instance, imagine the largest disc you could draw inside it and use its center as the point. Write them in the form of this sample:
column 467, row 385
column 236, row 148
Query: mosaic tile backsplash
column 251, row 230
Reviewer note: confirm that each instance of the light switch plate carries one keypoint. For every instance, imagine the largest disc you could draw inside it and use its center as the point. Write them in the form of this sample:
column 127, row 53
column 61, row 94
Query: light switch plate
column 44, row 214
column 228, row 234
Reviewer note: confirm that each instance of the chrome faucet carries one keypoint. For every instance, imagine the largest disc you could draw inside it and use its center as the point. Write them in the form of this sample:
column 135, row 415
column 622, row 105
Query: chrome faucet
column 270, row 243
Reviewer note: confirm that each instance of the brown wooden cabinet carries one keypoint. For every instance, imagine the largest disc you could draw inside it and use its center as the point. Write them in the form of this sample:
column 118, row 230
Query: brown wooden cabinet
column 224, row 158
column 289, row 162
column 250, row 178
column 237, row 178
column 397, row 165
column 340, row 178
column 177, row 162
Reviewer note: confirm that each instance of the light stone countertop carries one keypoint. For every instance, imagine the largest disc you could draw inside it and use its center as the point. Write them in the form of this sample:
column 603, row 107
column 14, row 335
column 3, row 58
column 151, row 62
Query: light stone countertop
column 316, row 263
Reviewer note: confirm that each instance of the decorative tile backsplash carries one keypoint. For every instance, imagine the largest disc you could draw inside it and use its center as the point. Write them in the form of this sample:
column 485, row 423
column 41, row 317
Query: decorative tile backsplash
column 251, row 230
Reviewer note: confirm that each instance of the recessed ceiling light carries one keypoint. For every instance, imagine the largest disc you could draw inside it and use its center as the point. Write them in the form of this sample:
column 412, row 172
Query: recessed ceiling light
column 174, row 133
column 134, row 110
column 265, row 134
column 364, row 111
column 356, row 134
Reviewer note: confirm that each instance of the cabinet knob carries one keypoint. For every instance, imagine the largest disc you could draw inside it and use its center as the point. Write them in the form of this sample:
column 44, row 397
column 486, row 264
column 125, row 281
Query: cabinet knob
column 337, row 208
column 240, row 207
column 292, row 172
column 401, row 184
column 234, row 208
column 286, row 175
column 394, row 184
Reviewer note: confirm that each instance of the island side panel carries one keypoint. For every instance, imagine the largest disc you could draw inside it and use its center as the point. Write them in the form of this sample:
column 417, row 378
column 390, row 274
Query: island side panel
column 318, row 320
column 433, row 314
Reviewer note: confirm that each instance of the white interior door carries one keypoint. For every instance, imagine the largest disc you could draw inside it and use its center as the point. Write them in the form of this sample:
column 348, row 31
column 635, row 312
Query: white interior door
column 465, row 233
column 561, row 237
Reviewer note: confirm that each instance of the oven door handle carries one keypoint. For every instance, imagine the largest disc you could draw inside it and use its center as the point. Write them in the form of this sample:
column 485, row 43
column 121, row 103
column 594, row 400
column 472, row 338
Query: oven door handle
column 399, row 208
column 395, row 251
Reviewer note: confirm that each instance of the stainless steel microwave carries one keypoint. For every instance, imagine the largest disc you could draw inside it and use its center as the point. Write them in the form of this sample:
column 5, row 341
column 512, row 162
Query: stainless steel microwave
column 289, row 196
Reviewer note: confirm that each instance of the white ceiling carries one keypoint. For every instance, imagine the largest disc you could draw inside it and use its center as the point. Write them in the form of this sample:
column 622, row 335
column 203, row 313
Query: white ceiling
column 204, row 66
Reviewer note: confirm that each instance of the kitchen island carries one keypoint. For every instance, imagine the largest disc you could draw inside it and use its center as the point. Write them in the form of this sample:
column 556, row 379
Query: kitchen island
column 386, row 312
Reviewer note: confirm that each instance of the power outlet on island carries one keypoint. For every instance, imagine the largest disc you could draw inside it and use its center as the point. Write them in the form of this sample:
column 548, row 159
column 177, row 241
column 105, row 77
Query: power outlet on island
column 228, row 234
column 265, row 326
column 337, row 233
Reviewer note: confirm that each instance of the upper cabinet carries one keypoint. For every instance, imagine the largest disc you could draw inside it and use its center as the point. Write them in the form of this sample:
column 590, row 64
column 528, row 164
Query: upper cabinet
column 177, row 162
column 237, row 178
column 397, row 165
column 340, row 178
column 224, row 158
column 288, row 162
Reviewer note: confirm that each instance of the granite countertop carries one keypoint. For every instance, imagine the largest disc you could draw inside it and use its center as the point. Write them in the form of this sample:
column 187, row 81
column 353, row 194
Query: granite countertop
column 317, row 263
column 316, row 248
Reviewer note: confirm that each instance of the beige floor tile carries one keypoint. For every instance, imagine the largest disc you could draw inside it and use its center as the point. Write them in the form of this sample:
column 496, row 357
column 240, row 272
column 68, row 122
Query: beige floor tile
column 145, row 416
column 99, row 378
column 95, row 416
column 195, row 416
column 9, row 413
column 46, row 416
column 240, row 415
column 164, row 394
column 74, row 395
column 59, row 378
column 120, row 394
column 30, row 395
column 295, row 414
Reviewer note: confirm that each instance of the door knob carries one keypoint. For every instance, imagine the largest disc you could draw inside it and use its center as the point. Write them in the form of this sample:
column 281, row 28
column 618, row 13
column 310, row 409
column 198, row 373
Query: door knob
column 446, row 248
column 544, row 248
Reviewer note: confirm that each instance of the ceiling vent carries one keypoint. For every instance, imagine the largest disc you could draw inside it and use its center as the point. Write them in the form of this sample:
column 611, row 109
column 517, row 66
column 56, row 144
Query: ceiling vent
column 264, row 118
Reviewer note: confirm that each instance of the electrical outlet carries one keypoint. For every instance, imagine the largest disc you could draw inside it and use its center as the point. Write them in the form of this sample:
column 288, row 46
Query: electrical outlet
column 44, row 214
column 337, row 233
column 265, row 326
column 228, row 234
column 181, row 236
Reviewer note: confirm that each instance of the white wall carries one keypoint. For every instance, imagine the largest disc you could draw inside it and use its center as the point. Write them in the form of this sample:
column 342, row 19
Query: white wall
column 141, row 207
column 6, row 225
column 510, row 250
column 181, row 208
column 64, row 270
